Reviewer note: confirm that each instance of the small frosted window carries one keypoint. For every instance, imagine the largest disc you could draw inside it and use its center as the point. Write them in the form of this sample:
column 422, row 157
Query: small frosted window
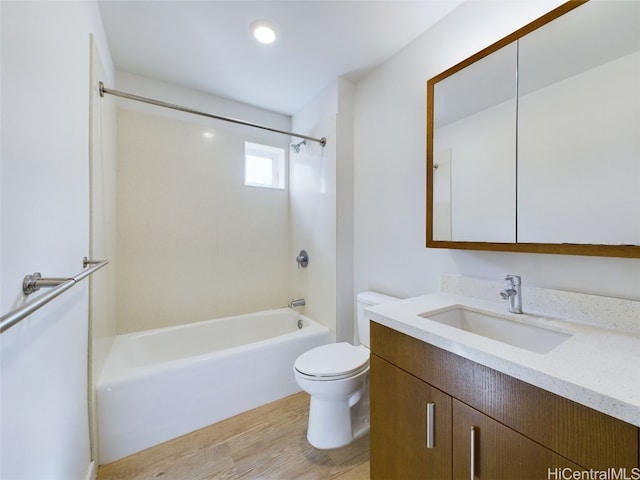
column 264, row 166
column 259, row 171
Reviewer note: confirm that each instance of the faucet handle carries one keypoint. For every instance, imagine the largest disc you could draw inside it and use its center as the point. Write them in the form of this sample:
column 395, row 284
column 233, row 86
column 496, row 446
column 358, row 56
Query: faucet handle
column 505, row 294
column 302, row 259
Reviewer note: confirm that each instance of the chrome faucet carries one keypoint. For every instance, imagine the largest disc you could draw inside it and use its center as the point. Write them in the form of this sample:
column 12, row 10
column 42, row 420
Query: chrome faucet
column 513, row 293
column 297, row 303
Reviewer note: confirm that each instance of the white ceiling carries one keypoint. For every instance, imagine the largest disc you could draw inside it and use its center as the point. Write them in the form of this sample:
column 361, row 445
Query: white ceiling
column 207, row 45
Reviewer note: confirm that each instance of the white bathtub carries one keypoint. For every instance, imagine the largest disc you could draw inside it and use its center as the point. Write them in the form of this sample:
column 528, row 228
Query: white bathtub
column 160, row 384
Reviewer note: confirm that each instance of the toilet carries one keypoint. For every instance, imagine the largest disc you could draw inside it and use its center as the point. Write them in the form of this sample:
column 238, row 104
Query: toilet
column 337, row 378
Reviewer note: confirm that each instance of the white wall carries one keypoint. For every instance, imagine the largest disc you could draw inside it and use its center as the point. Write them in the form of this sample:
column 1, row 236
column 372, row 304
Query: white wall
column 194, row 243
column 312, row 174
column 321, row 209
column 45, row 227
column 345, row 295
column 390, row 125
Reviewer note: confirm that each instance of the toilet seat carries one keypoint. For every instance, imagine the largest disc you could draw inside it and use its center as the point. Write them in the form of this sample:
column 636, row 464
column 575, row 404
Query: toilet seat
column 333, row 361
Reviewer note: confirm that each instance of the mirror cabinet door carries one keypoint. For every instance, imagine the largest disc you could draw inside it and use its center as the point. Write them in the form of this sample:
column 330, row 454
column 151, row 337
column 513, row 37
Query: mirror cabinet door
column 579, row 127
column 474, row 135
column 533, row 144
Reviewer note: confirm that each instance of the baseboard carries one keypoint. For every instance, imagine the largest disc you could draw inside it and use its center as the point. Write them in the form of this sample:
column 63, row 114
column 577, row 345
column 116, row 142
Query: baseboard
column 92, row 471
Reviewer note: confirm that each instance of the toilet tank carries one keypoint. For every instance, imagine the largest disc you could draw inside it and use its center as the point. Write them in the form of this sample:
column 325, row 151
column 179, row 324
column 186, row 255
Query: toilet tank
column 364, row 300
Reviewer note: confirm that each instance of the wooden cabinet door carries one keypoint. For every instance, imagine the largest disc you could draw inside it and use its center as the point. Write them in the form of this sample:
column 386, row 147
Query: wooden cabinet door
column 498, row 452
column 399, row 426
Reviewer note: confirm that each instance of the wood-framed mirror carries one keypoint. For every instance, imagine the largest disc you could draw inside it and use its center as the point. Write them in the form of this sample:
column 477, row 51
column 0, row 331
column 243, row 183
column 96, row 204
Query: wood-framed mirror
column 533, row 143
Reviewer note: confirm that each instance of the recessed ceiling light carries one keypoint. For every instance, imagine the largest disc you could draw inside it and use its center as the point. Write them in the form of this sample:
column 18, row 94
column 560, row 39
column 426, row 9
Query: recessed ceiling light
column 263, row 32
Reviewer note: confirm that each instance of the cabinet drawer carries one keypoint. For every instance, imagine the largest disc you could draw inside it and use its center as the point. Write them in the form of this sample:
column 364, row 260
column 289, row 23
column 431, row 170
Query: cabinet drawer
column 589, row 438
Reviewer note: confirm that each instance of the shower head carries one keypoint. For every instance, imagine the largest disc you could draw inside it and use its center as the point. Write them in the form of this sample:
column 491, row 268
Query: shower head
column 296, row 146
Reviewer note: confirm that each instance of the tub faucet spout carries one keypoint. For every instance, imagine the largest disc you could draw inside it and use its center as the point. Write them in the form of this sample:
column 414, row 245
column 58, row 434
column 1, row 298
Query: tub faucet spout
column 297, row 303
column 513, row 293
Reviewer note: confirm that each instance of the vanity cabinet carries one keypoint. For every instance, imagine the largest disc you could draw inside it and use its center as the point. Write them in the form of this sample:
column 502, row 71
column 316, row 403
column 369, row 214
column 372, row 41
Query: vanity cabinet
column 520, row 431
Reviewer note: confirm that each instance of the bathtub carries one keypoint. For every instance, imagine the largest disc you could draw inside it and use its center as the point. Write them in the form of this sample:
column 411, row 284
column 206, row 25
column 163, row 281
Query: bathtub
column 160, row 384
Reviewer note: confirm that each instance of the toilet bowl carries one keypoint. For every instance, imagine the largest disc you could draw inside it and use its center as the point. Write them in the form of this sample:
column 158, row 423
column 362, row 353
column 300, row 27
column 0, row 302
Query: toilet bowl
column 336, row 376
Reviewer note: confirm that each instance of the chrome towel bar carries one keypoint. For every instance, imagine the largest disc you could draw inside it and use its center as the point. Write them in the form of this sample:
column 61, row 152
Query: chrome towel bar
column 33, row 283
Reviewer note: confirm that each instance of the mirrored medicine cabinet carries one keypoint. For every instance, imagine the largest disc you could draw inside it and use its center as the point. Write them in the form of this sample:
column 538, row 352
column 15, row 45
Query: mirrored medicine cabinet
column 533, row 144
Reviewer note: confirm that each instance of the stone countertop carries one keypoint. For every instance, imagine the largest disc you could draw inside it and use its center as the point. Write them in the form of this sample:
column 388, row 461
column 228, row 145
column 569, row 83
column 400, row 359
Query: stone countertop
column 597, row 366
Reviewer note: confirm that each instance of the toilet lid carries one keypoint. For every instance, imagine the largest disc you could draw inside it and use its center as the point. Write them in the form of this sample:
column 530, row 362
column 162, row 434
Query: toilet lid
column 333, row 360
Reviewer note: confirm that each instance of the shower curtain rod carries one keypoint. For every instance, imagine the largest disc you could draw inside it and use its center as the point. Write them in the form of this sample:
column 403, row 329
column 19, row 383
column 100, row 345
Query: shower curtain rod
column 322, row 141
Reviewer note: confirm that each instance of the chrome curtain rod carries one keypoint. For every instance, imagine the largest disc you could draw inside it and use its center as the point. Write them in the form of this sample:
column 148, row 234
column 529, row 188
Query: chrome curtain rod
column 32, row 283
column 322, row 141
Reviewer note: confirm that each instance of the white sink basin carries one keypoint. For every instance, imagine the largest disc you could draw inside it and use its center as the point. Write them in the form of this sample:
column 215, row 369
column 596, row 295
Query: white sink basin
column 490, row 325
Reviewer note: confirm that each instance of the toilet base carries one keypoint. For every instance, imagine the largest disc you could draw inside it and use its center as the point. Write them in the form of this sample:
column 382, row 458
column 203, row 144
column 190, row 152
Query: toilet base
column 336, row 423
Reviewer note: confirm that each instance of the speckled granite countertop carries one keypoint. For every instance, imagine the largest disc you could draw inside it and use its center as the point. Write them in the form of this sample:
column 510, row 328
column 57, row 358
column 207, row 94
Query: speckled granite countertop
column 598, row 366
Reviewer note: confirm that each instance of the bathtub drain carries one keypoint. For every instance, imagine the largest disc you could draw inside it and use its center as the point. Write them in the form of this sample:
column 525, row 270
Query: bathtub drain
column 300, row 323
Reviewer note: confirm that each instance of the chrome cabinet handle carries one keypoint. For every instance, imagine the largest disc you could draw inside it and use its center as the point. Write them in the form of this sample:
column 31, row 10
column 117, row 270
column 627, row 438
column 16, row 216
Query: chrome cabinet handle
column 431, row 425
column 473, row 453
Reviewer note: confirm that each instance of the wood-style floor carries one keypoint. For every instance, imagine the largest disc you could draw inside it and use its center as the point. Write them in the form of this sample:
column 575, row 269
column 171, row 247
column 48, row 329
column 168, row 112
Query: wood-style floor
column 268, row 442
